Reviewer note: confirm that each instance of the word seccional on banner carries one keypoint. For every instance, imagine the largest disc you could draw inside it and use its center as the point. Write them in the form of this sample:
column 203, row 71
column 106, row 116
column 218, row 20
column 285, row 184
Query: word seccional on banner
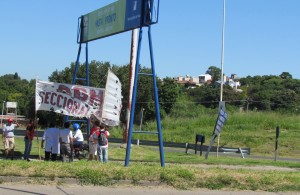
column 70, row 100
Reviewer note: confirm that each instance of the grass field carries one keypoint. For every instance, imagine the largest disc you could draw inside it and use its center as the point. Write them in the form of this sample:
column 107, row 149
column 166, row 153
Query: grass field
column 182, row 171
column 254, row 130
column 186, row 171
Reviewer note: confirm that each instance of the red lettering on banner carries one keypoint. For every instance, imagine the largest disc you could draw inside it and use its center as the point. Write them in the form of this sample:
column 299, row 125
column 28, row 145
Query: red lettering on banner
column 41, row 94
column 58, row 101
column 70, row 104
column 96, row 97
column 65, row 102
column 52, row 102
column 47, row 97
column 80, row 94
column 88, row 109
column 64, row 89
column 73, row 100
column 75, row 107
column 81, row 112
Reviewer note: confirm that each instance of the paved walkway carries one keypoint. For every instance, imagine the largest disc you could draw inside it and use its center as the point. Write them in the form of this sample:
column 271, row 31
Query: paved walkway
column 16, row 189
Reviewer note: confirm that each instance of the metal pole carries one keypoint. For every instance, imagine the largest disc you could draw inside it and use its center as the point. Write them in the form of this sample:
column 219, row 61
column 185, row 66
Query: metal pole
column 135, row 83
column 222, row 52
column 87, row 81
column 141, row 122
column 17, row 112
column 222, row 65
column 157, row 109
column 2, row 113
column 133, row 52
column 276, row 142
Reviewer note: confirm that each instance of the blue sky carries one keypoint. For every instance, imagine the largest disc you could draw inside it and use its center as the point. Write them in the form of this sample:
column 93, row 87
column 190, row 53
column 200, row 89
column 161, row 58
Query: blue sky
column 262, row 37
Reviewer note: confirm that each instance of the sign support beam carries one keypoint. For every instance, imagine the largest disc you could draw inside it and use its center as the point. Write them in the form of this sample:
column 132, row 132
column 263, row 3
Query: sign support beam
column 157, row 109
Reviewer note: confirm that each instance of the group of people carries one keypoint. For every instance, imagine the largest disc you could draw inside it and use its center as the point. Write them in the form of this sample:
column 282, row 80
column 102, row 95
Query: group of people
column 8, row 139
column 56, row 141
column 64, row 141
column 98, row 142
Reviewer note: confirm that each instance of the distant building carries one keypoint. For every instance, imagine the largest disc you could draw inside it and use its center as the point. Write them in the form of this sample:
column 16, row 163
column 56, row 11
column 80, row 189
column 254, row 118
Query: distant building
column 204, row 78
column 233, row 84
column 192, row 82
column 234, row 76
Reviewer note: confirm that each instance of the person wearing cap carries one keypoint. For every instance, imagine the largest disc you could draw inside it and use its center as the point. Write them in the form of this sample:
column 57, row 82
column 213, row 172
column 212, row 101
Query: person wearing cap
column 8, row 138
column 78, row 136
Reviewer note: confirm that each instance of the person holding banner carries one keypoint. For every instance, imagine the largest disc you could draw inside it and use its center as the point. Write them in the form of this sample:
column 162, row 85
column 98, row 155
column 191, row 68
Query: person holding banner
column 93, row 144
column 29, row 134
column 8, row 138
column 51, row 137
column 78, row 136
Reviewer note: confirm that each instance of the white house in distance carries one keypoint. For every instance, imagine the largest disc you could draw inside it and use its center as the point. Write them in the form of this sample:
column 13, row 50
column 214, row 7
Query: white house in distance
column 233, row 81
column 192, row 82
column 233, row 84
column 204, row 78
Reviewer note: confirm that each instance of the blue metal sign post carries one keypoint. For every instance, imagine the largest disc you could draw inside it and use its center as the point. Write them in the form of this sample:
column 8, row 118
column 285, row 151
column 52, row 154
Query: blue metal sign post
column 87, row 81
column 157, row 109
column 118, row 17
column 148, row 5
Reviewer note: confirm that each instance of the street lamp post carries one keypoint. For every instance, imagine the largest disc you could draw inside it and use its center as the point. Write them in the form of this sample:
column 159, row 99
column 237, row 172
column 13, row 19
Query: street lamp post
column 222, row 104
column 2, row 113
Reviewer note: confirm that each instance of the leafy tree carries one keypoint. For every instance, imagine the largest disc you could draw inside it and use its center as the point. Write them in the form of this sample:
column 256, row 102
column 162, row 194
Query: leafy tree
column 207, row 95
column 15, row 89
column 97, row 78
column 268, row 92
column 284, row 99
column 215, row 73
column 285, row 75
column 233, row 97
column 168, row 94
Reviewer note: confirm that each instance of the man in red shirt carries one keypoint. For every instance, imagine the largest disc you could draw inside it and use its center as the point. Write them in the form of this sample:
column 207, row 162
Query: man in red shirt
column 101, row 137
column 93, row 145
column 29, row 134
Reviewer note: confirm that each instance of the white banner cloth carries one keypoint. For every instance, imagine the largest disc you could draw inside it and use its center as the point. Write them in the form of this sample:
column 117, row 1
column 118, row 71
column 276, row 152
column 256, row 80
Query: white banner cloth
column 81, row 101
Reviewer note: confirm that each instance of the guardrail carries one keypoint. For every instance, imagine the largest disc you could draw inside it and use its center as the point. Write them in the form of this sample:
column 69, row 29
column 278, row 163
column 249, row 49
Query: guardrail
column 242, row 151
column 186, row 146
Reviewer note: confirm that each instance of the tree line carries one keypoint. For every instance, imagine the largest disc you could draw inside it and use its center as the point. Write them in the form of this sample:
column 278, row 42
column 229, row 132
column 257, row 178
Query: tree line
column 262, row 93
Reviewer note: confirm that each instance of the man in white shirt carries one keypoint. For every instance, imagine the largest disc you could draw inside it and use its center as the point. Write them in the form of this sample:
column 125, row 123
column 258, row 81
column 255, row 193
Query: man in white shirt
column 78, row 136
column 51, row 136
column 8, row 138
column 66, row 142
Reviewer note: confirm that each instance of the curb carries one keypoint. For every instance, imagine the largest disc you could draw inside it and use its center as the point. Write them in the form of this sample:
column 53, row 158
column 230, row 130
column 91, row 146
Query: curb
column 43, row 180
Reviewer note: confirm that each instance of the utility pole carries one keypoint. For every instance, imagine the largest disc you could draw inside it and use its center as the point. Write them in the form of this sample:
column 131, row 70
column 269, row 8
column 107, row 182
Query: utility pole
column 134, row 38
column 222, row 69
column 2, row 113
